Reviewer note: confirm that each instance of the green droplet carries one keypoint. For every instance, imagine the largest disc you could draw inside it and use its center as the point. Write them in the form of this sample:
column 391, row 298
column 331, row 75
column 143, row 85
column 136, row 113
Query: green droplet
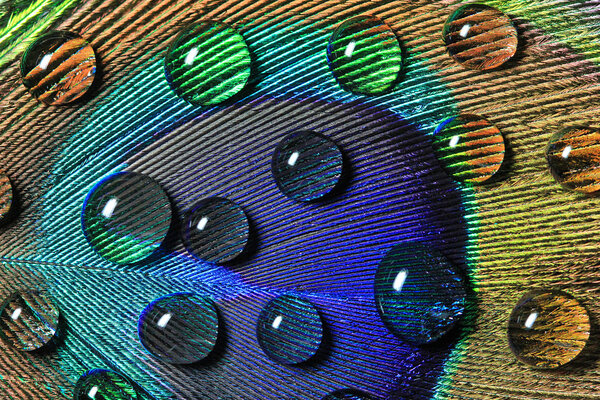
column 364, row 55
column 208, row 63
column 126, row 217
column 103, row 384
column 469, row 148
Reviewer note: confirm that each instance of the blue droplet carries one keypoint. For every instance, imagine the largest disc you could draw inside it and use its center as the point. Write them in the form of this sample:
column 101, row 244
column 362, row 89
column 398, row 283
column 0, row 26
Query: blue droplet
column 216, row 230
column 289, row 330
column 307, row 166
column 179, row 328
column 420, row 295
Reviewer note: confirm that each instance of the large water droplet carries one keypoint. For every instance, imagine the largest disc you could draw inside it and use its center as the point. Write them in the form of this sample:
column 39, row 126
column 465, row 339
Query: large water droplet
column 469, row 148
column 103, row 384
column 289, row 330
column 216, row 230
column 548, row 329
column 59, row 67
column 573, row 155
column 126, row 217
column 179, row 328
column 29, row 321
column 6, row 195
column 419, row 294
column 347, row 394
column 480, row 37
column 364, row 55
column 208, row 63
column 307, row 166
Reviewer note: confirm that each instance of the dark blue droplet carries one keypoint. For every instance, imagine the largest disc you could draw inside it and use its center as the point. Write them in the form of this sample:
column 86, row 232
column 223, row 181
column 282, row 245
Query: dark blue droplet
column 103, row 384
column 126, row 217
column 289, row 330
column 28, row 321
column 307, row 166
column 419, row 294
column 216, row 230
column 347, row 394
column 179, row 328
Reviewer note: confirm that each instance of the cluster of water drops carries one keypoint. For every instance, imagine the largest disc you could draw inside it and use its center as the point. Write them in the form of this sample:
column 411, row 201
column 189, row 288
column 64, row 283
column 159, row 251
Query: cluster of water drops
column 419, row 293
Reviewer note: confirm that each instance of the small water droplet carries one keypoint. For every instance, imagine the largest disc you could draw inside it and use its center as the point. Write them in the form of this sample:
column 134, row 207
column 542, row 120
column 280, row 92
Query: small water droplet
column 307, row 166
column 548, row 329
column 289, row 330
column 419, row 294
column 6, row 196
column 480, row 37
column 347, row 394
column 29, row 321
column 208, row 63
column 572, row 156
column 59, row 67
column 216, row 230
column 179, row 328
column 364, row 55
column 469, row 148
column 103, row 384
column 126, row 217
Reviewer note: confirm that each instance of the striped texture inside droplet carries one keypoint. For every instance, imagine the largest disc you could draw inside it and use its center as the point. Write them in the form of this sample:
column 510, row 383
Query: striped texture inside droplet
column 65, row 70
column 364, row 55
column 480, row 37
column 469, row 148
column 573, row 155
column 208, row 63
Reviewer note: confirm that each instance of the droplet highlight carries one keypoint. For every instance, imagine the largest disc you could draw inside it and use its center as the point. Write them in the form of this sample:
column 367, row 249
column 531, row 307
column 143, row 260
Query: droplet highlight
column 59, row 67
column 364, row 55
column 480, row 37
column 419, row 294
column 572, row 156
column 103, row 384
column 179, row 328
column 548, row 329
column 469, row 148
column 347, row 394
column 307, row 166
column 126, row 217
column 216, row 230
column 29, row 321
column 289, row 330
column 208, row 63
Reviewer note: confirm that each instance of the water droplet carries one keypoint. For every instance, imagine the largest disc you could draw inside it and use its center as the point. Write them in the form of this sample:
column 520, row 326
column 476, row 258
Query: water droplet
column 208, row 63
column 179, row 328
column 29, row 321
column 216, row 230
column 480, row 37
column 573, row 155
column 307, row 166
column 103, row 384
column 364, row 55
column 59, row 67
column 469, row 148
column 419, row 294
column 6, row 196
column 347, row 394
column 548, row 329
column 289, row 330
column 126, row 217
